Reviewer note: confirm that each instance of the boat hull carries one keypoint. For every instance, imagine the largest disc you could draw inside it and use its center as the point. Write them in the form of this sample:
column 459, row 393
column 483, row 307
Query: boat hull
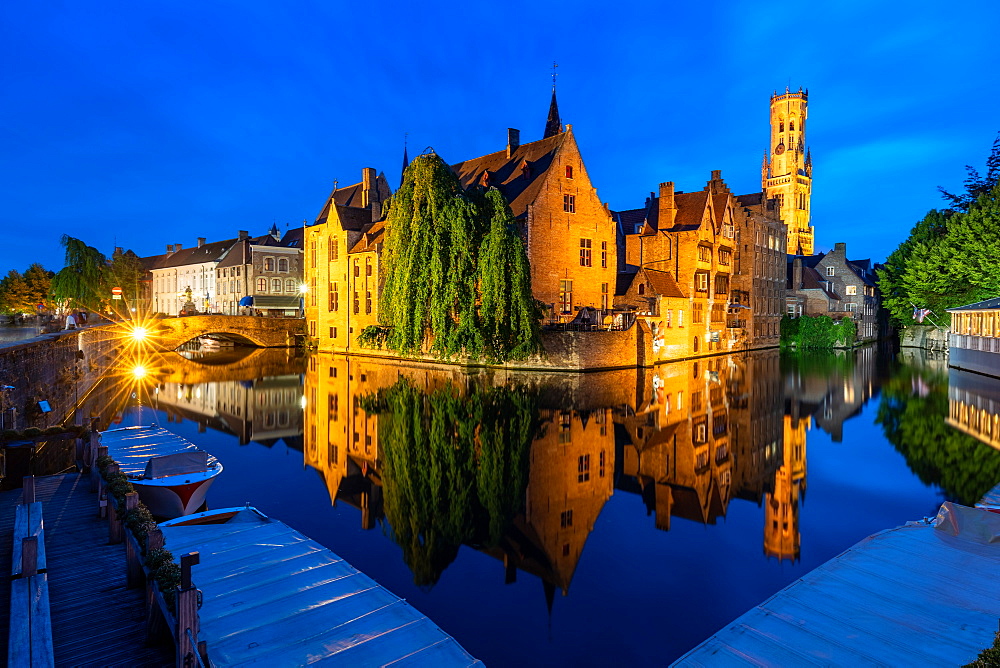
column 167, row 498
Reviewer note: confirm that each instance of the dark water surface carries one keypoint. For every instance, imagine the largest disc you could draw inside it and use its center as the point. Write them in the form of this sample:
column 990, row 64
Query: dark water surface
column 577, row 519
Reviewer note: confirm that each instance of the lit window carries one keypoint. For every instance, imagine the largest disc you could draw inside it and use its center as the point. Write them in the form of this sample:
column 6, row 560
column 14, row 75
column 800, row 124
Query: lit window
column 334, row 254
column 261, row 285
column 701, row 281
column 585, row 259
column 852, row 289
column 269, row 264
column 566, row 296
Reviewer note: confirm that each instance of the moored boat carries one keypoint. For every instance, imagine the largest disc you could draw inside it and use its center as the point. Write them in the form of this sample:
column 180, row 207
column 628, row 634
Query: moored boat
column 171, row 474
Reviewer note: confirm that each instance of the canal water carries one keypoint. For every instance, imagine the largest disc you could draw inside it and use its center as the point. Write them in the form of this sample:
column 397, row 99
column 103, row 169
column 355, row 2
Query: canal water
column 578, row 519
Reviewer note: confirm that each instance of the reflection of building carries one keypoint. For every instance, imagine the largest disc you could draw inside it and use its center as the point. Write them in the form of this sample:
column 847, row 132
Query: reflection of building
column 975, row 337
column 781, row 507
column 974, row 406
column 264, row 411
column 833, row 390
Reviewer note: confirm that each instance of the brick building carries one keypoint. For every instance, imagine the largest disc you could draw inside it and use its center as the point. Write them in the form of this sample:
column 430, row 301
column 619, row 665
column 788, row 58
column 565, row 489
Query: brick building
column 704, row 270
column 830, row 284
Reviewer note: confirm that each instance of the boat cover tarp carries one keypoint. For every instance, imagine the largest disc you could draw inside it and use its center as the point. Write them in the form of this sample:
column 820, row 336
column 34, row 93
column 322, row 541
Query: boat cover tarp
column 132, row 447
column 991, row 499
column 273, row 597
column 178, row 463
column 917, row 595
column 246, row 301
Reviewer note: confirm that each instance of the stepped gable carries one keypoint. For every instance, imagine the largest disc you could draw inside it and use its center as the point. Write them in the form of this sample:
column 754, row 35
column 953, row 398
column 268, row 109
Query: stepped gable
column 518, row 177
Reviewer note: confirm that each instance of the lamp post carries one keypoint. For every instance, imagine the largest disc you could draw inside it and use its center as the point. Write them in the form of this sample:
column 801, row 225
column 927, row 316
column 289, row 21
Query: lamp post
column 303, row 289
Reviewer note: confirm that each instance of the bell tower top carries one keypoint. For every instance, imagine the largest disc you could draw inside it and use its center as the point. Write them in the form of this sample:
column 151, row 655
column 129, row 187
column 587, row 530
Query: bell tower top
column 787, row 173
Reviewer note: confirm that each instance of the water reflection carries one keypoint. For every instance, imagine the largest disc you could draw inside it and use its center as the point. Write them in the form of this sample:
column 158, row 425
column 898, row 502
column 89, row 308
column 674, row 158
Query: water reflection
column 945, row 423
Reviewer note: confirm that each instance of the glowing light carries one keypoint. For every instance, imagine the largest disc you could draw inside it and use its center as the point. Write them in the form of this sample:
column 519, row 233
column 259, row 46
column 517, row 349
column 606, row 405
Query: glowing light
column 302, row 402
column 303, row 288
column 139, row 333
column 139, row 372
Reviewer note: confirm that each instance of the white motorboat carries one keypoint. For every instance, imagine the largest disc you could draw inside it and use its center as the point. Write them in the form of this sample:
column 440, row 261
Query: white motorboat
column 171, row 474
column 208, row 343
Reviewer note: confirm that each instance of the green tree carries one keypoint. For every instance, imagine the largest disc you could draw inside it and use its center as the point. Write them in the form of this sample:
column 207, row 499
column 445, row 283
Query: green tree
column 39, row 282
column 896, row 296
column 125, row 272
column 976, row 185
column 80, row 284
column 439, row 292
column 14, row 294
column 510, row 313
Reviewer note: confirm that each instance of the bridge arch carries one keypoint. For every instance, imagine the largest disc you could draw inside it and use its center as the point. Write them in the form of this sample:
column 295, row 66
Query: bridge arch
column 171, row 333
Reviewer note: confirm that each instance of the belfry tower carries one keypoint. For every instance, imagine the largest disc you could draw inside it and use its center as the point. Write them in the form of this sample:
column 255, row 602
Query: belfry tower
column 787, row 170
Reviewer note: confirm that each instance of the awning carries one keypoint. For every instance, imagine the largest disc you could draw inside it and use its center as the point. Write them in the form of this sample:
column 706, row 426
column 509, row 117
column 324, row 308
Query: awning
column 272, row 301
column 247, row 301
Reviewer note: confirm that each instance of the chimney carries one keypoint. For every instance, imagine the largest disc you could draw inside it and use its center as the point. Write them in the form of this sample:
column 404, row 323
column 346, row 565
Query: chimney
column 178, row 247
column 170, row 249
column 513, row 141
column 242, row 234
column 840, row 249
column 716, row 174
column 668, row 206
column 797, row 273
column 201, row 241
column 119, row 250
column 367, row 186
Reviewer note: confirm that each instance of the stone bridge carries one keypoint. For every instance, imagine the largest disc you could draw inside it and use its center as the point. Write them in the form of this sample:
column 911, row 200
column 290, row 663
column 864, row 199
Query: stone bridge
column 169, row 333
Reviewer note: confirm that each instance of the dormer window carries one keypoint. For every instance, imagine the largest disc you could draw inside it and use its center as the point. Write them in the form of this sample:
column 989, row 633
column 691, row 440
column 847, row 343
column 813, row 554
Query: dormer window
column 642, row 288
column 485, row 180
column 569, row 171
column 525, row 169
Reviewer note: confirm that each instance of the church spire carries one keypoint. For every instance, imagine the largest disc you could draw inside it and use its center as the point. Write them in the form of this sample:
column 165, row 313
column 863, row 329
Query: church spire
column 406, row 161
column 553, row 125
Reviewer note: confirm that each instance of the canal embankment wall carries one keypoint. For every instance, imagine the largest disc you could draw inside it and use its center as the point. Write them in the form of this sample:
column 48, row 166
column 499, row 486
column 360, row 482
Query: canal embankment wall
column 924, row 336
column 56, row 368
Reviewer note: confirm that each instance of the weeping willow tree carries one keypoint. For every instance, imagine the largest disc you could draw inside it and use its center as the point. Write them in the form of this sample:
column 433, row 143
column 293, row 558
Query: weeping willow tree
column 81, row 282
column 454, row 468
column 433, row 296
column 509, row 312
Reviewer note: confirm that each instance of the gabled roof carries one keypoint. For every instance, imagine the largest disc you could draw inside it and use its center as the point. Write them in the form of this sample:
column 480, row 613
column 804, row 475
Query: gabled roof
column 212, row 252
column 374, row 234
column 507, row 175
column 629, row 220
column 690, row 211
column 989, row 304
column 351, row 197
column 811, row 280
column 293, row 237
column 662, row 283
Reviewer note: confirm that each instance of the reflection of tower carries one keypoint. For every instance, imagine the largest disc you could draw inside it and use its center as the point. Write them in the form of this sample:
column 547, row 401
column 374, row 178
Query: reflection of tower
column 781, row 507
column 787, row 169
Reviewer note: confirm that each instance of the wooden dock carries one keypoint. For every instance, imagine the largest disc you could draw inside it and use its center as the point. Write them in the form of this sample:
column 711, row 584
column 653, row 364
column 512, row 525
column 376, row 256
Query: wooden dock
column 96, row 620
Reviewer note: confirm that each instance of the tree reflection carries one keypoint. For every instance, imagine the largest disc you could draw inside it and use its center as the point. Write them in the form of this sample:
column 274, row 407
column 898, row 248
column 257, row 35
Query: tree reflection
column 912, row 413
column 454, row 467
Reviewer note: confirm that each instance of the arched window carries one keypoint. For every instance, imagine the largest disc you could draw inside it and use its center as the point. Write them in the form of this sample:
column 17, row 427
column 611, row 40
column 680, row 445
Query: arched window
column 269, row 264
column 283, row 264
column 642, row 288
column 368, row 266
column 696, row 344
column 781, row 125
column 791, row 125
column 275, row 285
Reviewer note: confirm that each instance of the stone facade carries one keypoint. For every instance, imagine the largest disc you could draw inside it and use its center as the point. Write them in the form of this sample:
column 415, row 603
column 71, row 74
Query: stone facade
column 830, row 284
column 268, row 268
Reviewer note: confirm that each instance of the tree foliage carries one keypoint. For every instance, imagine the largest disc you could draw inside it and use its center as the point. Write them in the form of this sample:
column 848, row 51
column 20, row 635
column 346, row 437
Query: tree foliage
column 447, row 252
column 963, row 467
column 455, row 468
column 80, row 283
column 21, row 293
column 820, row 331
column 949, row 258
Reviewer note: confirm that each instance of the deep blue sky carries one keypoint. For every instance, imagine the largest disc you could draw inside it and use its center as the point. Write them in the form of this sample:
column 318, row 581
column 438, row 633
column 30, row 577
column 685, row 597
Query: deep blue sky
column 153, row 123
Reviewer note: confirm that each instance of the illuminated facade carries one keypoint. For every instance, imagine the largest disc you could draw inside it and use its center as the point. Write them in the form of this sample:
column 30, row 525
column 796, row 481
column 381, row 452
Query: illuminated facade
column 786, row 174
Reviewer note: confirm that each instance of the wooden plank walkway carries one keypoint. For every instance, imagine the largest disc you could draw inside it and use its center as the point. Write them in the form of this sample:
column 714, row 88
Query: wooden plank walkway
column 96, row 621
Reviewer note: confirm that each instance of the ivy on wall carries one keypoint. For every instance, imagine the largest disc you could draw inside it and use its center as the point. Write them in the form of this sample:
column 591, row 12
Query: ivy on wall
column 818, row 332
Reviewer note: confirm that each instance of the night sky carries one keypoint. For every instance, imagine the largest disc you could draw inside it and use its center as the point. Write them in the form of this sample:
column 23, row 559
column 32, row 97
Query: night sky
column 152, row 123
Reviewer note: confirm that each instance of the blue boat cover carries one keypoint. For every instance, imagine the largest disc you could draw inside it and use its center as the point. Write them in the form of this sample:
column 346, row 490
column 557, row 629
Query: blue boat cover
column 133, row 447
column 273, row 597
column 246, row 301
column 923, row 594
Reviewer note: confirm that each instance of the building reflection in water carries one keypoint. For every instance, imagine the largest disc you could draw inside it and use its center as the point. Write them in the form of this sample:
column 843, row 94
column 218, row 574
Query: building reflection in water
column 974, row 406
column 687, row 437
